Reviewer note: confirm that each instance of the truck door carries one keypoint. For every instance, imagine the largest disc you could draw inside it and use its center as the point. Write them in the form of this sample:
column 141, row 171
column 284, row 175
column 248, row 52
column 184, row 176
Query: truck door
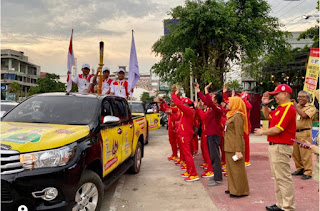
column 153, row 116
column 110, row 139
column 126, row 128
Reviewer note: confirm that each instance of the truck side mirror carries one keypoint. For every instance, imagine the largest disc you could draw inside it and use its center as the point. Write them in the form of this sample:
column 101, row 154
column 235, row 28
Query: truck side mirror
column 111, row 119
column 150, row 111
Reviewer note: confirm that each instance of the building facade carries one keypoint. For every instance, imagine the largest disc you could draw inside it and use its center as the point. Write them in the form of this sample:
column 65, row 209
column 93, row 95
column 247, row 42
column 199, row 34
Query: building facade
column 15, row 67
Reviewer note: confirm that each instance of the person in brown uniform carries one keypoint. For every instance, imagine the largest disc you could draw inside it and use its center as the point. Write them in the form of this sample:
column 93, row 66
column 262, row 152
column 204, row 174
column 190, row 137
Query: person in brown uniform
column 236, row 125
column 303, row 157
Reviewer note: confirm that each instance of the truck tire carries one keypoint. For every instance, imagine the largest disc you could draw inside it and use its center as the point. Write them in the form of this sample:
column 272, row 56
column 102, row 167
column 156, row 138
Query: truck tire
column 90, row 192
column 135, row 168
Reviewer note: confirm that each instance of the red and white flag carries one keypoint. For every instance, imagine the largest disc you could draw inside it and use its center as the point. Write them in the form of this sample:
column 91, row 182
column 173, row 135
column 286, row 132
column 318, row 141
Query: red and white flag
column 70, row 64
column 134, row 74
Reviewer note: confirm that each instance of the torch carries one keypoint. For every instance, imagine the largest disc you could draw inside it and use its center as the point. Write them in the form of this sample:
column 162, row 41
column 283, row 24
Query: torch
column 101, row 47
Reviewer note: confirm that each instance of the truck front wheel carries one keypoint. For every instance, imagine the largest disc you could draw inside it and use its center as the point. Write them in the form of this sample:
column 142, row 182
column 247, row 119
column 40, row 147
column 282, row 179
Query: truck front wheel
column 137, row 159
column 90, row 192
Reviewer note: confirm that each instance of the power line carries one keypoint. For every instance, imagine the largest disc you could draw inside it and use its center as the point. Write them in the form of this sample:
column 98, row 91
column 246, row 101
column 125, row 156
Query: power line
column 294, row 18
column 291, row 8
column 277, row 4
column 284, row 7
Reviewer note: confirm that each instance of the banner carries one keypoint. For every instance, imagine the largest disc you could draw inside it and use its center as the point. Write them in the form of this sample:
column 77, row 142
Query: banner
column 312, row 74
column 134, row 74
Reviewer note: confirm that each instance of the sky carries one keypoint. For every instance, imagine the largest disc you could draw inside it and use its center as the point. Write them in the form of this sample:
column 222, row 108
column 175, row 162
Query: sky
column 42, row 29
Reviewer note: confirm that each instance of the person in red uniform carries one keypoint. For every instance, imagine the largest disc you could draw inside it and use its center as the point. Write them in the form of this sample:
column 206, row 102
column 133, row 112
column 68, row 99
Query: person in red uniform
column 213, row 131
column 202, row 115
column 186, row 133
column 281, row 132
column 245, row 96
column 195, row 141
column 171, row 112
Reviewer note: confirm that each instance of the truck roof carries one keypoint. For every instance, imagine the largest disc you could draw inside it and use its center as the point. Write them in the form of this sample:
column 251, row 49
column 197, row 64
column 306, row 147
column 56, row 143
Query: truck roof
column 76, row 94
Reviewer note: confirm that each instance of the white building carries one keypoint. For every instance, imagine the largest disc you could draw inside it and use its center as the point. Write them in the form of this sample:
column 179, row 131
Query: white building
column 15, row 67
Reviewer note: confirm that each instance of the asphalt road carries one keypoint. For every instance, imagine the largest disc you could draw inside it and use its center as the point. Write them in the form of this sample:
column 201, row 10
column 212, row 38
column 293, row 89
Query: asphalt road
column 158, row 186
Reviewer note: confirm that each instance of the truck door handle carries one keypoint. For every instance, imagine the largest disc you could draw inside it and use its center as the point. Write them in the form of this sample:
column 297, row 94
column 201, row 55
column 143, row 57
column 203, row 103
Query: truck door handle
column 131, row 125
column 119, row 131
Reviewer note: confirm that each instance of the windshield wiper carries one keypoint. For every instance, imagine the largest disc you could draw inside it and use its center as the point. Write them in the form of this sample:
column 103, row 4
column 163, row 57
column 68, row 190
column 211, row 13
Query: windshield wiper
column 39, row 122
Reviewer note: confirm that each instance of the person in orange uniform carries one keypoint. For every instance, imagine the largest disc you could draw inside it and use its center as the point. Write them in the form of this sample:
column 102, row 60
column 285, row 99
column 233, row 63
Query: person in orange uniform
column 202, row 115
column 281, row 131
column 170, row 111
column 186, row 133
column 245, row 97
column 223, row 123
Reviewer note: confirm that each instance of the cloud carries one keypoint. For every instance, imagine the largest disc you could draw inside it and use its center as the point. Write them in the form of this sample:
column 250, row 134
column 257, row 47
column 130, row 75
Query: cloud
column 41, row 28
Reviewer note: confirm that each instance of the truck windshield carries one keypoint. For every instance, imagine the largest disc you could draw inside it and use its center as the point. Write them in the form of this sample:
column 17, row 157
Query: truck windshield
column 68, row 110
column 138, row 108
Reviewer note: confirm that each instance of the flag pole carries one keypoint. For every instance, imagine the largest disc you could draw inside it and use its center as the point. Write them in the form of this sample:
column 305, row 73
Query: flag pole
column 101, row 65
column 130, row 90
column 70, row 64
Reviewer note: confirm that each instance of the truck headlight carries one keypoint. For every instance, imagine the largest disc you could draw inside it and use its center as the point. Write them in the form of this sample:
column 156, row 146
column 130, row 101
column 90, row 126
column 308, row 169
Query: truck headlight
column 47, row 158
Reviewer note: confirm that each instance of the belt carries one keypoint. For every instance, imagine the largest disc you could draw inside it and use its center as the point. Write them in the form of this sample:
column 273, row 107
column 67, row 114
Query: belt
column 271, row 143
column 300, row 130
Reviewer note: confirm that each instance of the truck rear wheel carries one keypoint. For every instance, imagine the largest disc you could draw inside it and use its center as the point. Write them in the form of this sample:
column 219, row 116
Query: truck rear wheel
column 137, row 159
column 90, row 192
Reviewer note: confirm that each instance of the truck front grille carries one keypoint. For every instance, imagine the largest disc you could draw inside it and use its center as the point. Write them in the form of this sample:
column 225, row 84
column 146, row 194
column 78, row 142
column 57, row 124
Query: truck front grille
column 10, row 162
column 5, row 192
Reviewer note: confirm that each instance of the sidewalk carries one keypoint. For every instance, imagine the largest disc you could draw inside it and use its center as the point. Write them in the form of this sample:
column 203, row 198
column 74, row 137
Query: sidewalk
column 261, row 184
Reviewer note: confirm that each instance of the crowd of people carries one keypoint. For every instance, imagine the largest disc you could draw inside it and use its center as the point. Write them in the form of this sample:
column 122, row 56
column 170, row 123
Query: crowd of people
column 225, row 125
column 88, row 83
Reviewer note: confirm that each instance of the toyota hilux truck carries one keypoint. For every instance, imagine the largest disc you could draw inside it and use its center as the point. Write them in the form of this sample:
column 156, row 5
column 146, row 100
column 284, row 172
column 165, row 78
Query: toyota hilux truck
column 59, row 152
column 150, row 112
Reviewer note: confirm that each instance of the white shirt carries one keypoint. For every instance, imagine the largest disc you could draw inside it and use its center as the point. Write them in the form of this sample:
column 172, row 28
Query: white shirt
column 82, row 82
column 119, row 88
column 106, row 84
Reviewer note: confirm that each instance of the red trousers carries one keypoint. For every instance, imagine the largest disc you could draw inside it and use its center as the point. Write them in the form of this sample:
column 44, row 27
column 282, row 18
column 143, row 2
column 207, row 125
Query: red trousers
column 246, row 147
column 186, row 142
column 223, row 154
column 181, row 150
column 173, row 142
column 195, row 144
column 205, row 152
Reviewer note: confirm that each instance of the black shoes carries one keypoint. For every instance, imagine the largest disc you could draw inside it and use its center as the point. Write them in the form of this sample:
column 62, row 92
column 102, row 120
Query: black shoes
column 236, row 196
column 296, row 173
column 305, row 177
column 273, row 208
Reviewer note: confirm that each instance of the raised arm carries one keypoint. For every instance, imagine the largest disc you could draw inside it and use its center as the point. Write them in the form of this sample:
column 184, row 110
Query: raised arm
column 183, row 108
column 266, row 100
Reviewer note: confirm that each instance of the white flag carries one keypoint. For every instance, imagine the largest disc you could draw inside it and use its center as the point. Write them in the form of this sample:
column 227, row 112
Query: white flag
column 134, row 74
column 70, row 64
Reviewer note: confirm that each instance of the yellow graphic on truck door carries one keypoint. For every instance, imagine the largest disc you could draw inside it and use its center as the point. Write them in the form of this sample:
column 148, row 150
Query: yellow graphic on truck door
column 111, row 149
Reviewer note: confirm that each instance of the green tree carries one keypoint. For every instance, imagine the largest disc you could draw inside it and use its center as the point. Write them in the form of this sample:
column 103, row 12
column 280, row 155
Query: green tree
column 210, row 34
column 49, row 83
column 234, row 84
column 15, row 87
column 145, row 97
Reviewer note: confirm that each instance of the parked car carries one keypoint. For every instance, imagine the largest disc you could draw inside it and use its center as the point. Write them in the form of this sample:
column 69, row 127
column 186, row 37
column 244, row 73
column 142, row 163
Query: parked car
column 59, row 152
column 6, row 106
